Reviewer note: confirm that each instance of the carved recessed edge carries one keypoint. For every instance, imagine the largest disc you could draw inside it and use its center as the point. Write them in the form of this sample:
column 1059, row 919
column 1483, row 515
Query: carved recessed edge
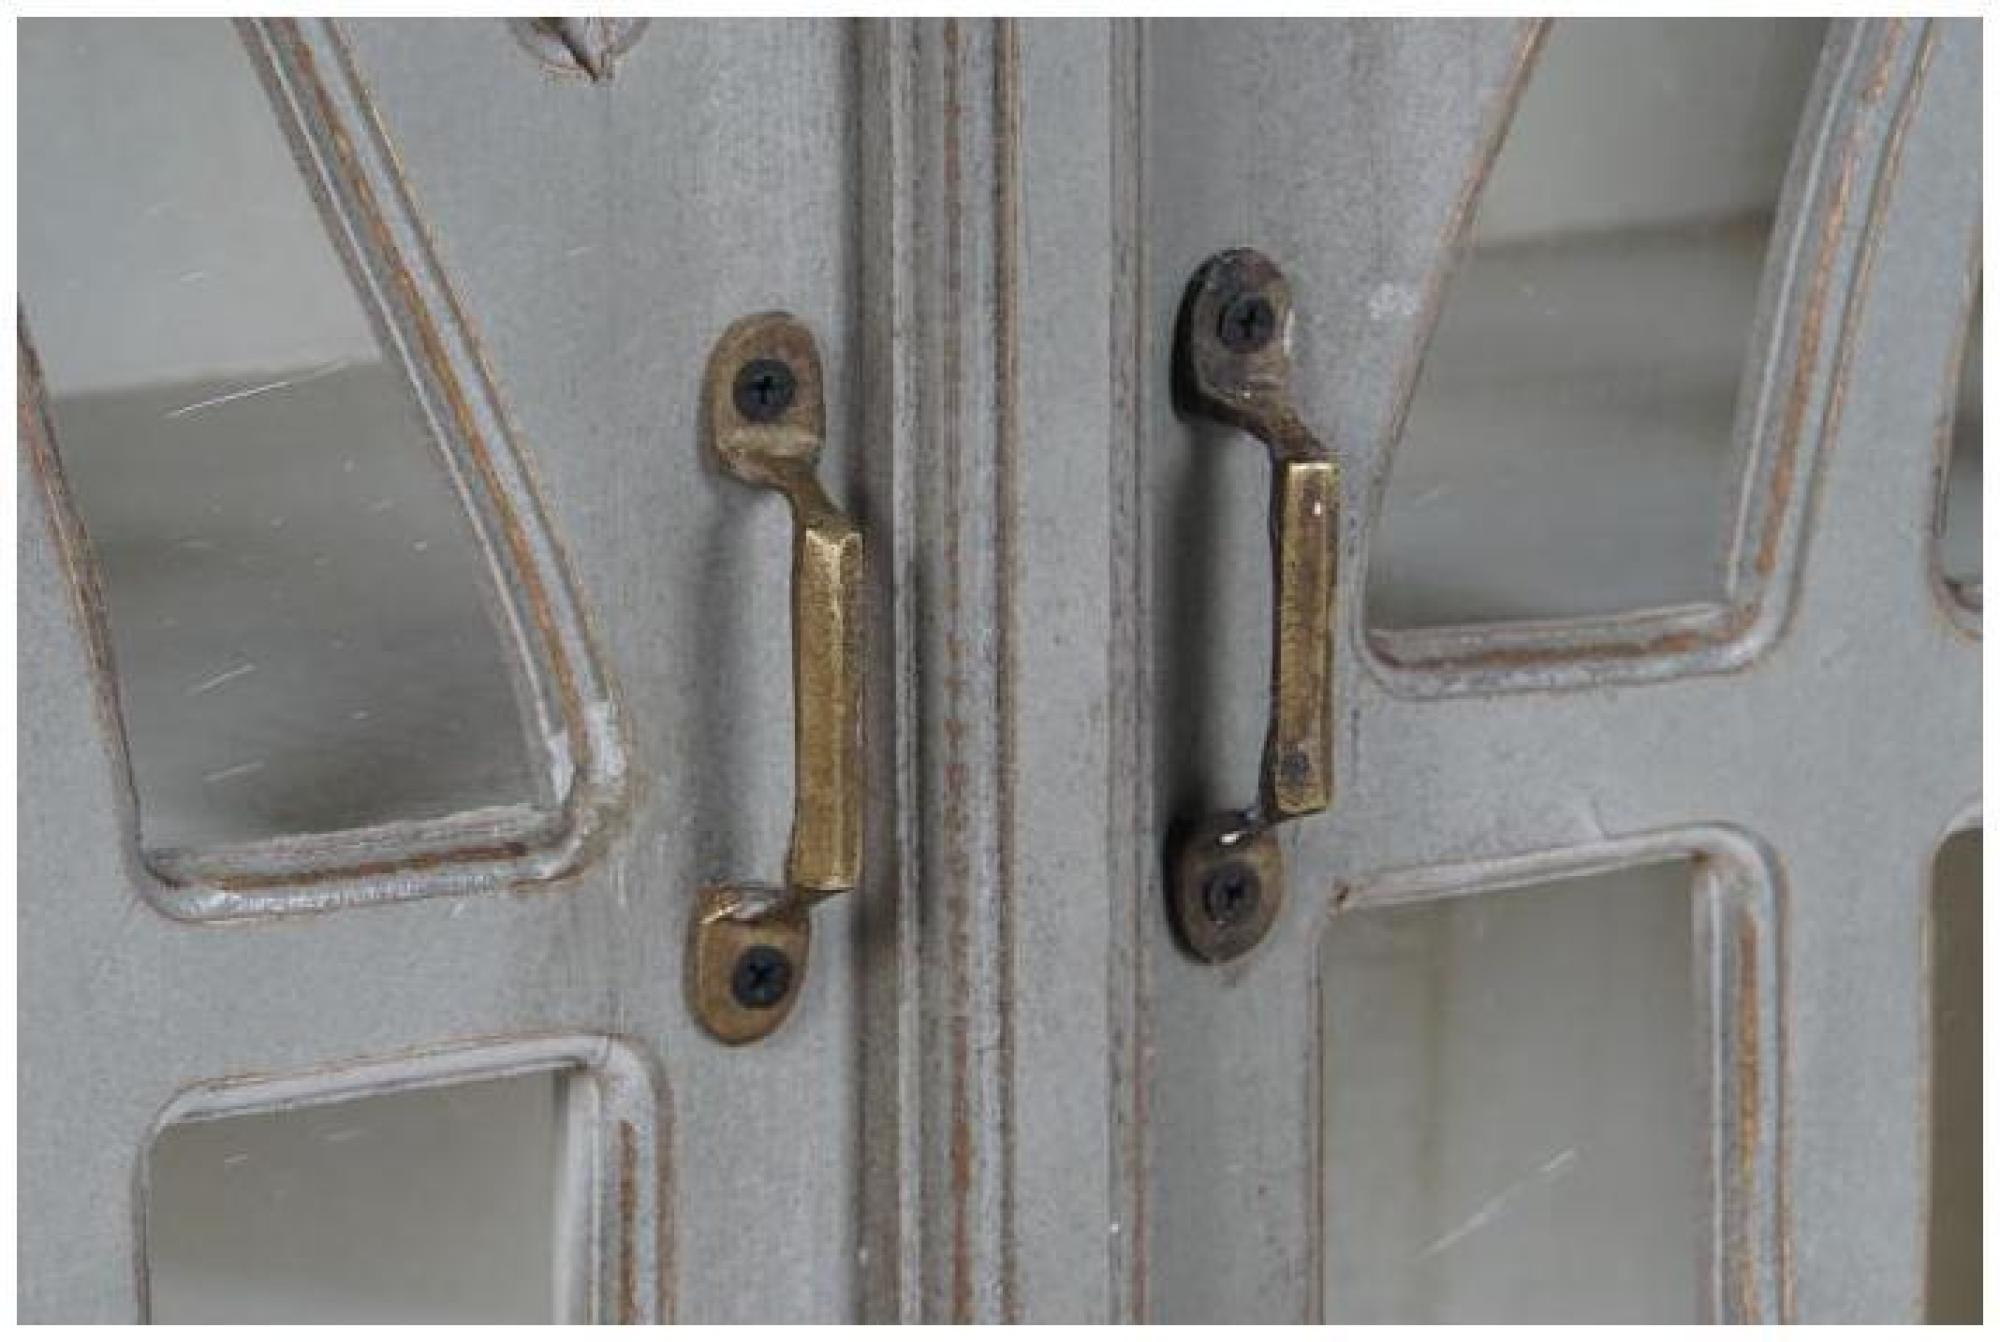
column 1962, row 599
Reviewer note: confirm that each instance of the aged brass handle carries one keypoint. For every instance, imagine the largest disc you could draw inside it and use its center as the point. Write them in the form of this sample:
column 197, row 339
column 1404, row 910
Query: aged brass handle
column 764, row 409
column 1232, row 363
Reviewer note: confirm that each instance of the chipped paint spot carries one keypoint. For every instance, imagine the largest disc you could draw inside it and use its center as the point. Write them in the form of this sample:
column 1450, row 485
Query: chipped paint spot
column 1394, row 302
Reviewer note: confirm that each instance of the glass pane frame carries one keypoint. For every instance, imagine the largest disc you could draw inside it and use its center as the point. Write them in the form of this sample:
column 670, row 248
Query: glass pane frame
column 1827, row 216
column 614, row 1161
column 1736, row 907
column 1577, row 411
column 437, row 1204
column 577, row 733
column 308, row 633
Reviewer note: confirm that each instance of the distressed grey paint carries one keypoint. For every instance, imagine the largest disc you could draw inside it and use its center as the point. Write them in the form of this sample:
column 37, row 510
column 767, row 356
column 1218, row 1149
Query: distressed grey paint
column 1835, row 732
column 696, row 572
column 1005, row 1093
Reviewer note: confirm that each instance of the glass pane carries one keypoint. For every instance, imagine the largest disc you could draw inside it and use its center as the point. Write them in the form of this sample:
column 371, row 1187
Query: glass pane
column 1513, row 1108
column 1958, row 548
column 1568, row 446
column 298, row 610
column 425, row 1206
column 1957, row 1164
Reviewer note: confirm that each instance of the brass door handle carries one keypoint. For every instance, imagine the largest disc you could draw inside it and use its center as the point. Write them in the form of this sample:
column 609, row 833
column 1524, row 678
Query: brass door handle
column 1232, row 363
column 765, row 417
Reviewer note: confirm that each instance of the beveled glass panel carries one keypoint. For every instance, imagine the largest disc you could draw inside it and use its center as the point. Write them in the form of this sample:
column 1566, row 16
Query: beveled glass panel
column 435, row 1205
column 1569, row 445
column 1953, row 1287
column 304, row 627
column 1513, row 1116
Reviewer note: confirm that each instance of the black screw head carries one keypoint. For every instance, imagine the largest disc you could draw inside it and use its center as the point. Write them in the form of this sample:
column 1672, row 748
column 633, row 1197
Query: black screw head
column 1247, row 324
column 1231, row 893
column 761, row 978
column 764, row 389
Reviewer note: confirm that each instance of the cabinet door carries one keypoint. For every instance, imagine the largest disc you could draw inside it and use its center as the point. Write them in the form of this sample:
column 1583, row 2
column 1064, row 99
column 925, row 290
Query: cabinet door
column 1599, row 991
column 399, row 298
column 1599, row 988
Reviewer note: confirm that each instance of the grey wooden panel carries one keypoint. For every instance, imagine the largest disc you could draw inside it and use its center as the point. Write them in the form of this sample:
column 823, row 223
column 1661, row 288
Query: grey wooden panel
column 1019, row 602
column 1035, row 1106
column 1350, row 185
column 1843, row 744
column 1068, row 829
column 547, row 208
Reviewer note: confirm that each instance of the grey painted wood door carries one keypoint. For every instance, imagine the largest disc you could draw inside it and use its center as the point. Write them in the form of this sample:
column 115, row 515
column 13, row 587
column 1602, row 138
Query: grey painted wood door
column 548, row 261
column 1402, row 1091
column 1006, row 1091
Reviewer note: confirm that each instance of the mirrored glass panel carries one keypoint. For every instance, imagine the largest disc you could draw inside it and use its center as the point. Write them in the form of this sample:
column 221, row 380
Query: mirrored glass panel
column 1958, row 546
column 303, row 625
column 438, row 1205
column 1568, row 450
column 1956, row 1237
column 1514, row 1125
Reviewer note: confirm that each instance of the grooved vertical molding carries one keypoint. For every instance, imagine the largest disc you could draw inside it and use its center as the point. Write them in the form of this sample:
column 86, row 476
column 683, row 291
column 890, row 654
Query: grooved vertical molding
column 953, row 199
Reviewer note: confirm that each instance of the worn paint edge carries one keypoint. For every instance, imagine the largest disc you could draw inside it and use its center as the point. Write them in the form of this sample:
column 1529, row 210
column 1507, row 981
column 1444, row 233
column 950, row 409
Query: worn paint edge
column 892, row 457
column 1133, row 866
column 76, row 559
column 1960, row 599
